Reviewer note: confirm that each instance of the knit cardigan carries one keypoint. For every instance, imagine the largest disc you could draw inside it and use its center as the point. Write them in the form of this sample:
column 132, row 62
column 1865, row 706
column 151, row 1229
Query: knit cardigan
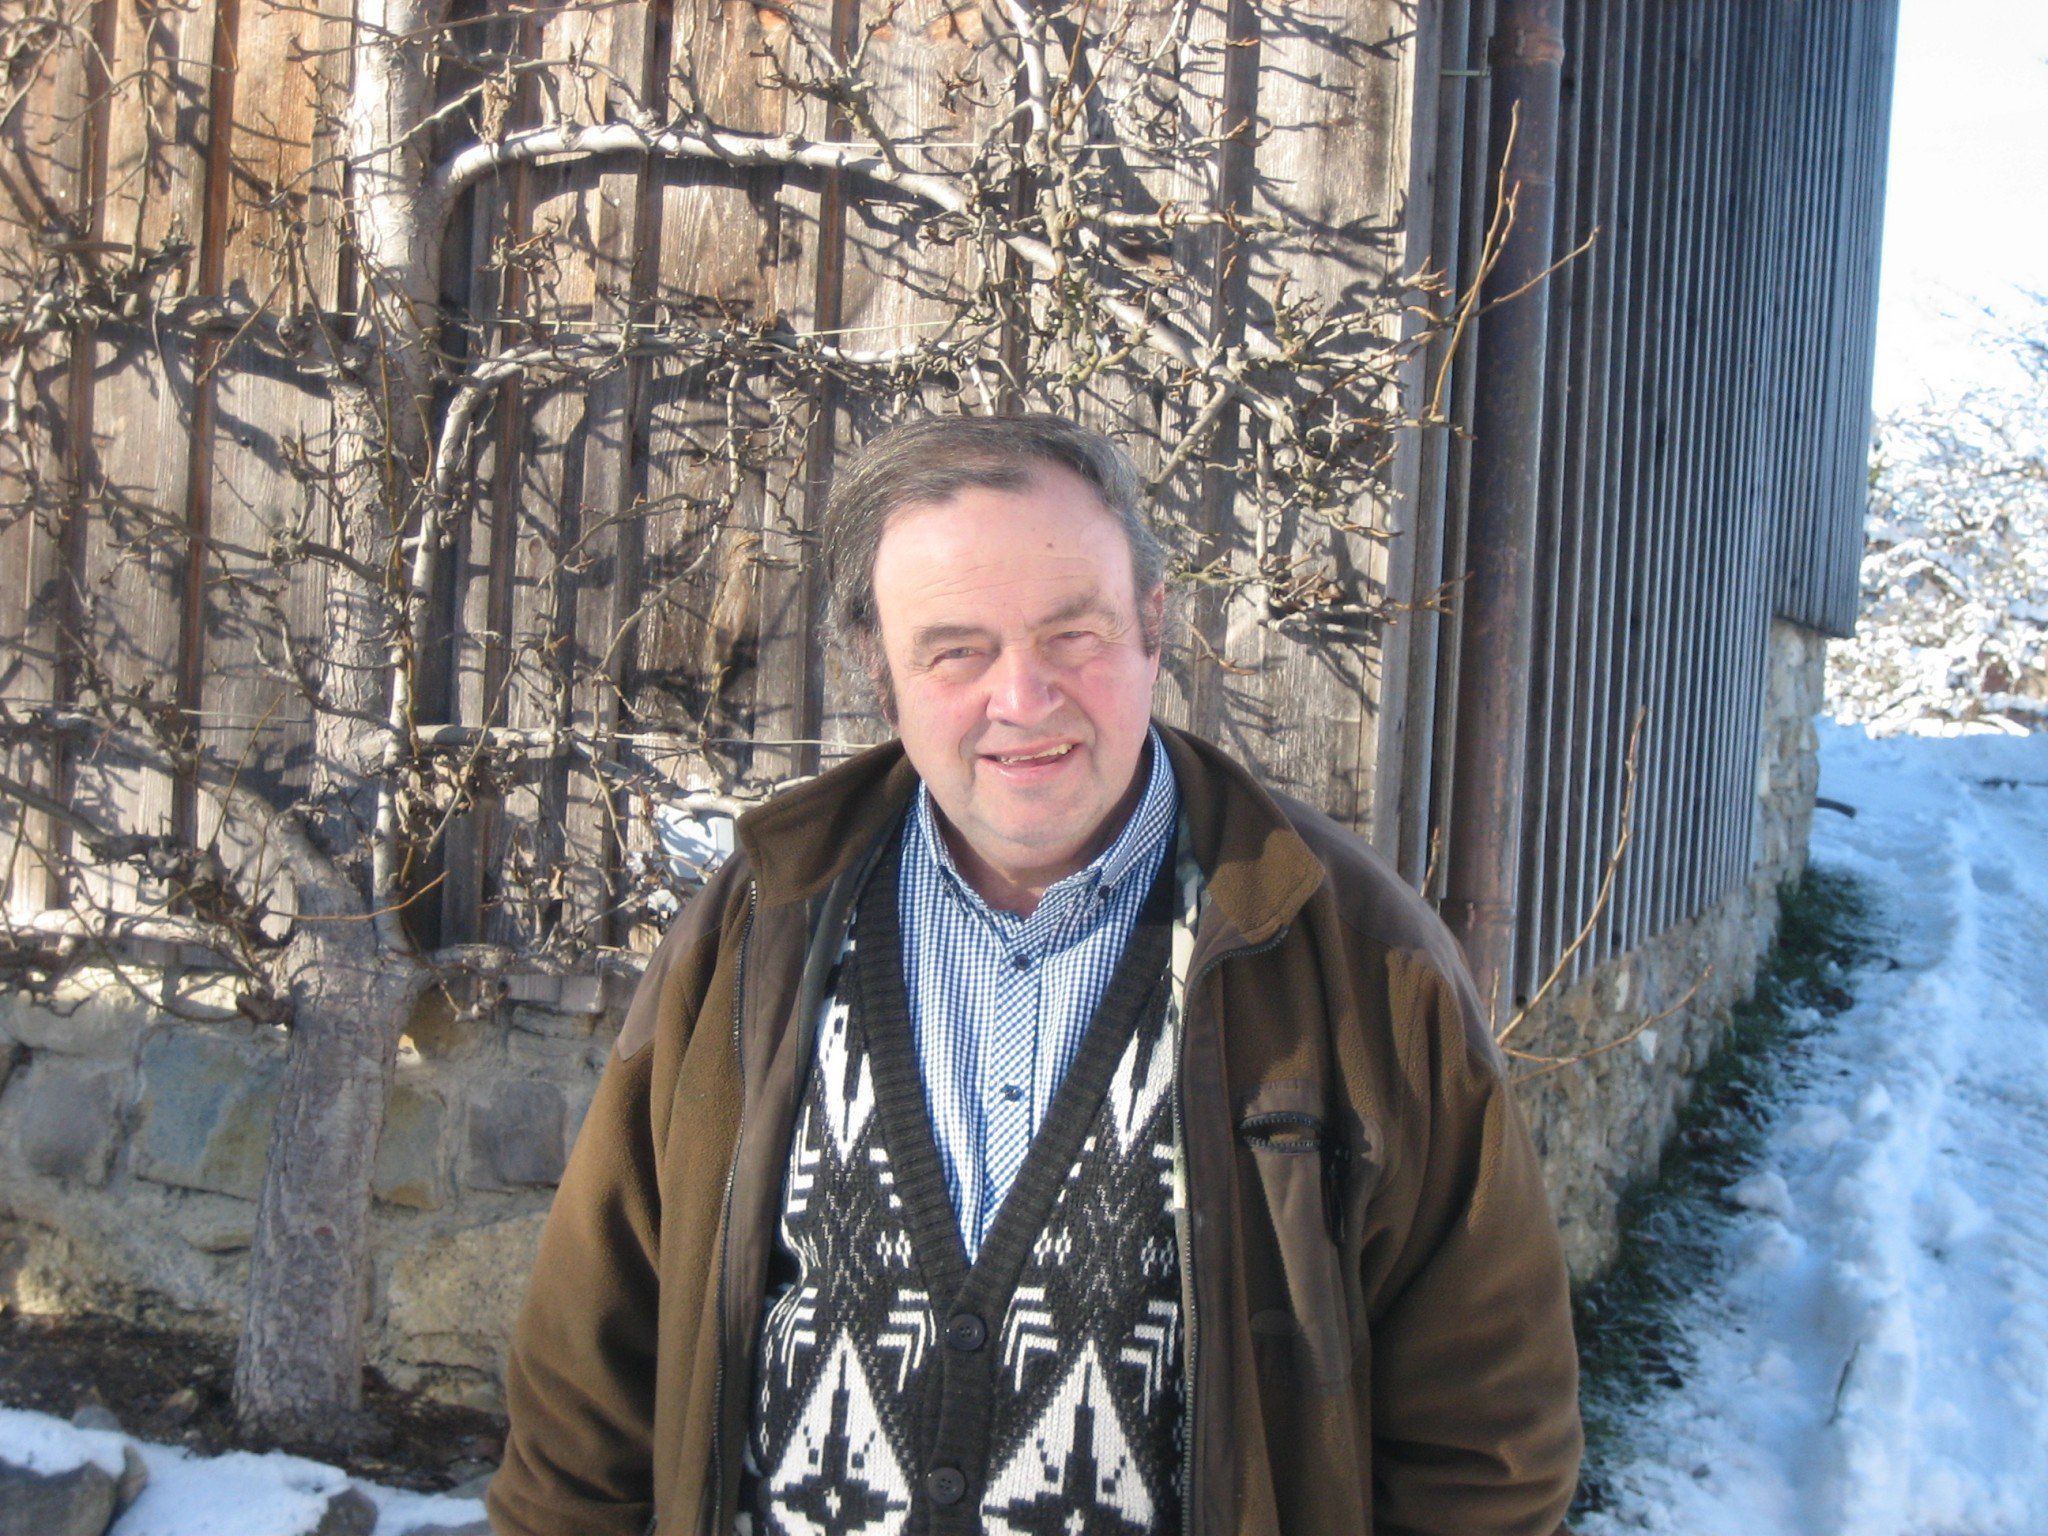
column 899, row 1388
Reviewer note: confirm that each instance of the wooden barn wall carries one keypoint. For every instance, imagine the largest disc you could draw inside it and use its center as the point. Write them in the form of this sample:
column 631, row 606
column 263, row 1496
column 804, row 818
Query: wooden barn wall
column 154, row 495
column 1705, row 428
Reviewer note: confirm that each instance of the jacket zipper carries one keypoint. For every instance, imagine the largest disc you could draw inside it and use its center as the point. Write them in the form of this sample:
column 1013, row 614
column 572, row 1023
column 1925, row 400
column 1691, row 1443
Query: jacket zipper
column 716, row 1502
column 1184, row 1225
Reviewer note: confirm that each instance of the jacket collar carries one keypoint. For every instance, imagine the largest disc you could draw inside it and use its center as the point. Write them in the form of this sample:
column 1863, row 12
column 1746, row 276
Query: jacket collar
column 1258, row 869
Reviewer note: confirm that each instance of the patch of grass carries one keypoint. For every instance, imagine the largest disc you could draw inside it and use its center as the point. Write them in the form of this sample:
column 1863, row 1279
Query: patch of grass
column 1673, row 1228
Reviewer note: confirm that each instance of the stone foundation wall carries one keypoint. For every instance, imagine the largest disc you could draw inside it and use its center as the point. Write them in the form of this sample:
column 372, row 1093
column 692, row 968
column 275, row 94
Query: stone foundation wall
column 1601, row 1124
column 132, row 1145
column 132, row 1150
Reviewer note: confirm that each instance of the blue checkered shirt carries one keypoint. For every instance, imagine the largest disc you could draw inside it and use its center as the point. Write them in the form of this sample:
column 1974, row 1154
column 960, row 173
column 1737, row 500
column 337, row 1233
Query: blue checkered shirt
column 999, row 1003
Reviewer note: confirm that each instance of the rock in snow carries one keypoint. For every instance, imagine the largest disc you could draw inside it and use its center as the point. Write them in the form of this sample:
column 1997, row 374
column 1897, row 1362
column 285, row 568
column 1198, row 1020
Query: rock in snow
column 58, row 1479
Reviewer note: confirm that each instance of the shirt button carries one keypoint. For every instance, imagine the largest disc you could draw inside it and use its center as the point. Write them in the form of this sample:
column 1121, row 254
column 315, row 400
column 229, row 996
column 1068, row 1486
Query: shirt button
column 1012, row 1092
column 946, row 1485
column 966, row 1332
column 1020, row 962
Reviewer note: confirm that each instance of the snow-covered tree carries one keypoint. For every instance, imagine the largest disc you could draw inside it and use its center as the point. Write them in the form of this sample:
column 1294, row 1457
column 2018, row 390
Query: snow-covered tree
column 1954, row 623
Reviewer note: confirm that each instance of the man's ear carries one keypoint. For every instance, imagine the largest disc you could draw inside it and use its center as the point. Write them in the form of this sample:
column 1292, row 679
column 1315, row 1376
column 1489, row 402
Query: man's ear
column 876, row 666
column 1152, row 619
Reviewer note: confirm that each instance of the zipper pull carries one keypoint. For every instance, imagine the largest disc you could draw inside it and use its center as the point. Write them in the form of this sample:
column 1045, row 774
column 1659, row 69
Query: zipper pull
column 1336, row 1175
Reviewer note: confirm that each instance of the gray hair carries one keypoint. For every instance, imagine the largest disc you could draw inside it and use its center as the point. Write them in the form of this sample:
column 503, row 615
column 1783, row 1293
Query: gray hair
column 929, row 460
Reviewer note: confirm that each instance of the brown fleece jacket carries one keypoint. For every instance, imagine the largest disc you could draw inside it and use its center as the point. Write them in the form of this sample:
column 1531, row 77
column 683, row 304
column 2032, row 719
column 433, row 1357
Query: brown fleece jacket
column 1380, row 1337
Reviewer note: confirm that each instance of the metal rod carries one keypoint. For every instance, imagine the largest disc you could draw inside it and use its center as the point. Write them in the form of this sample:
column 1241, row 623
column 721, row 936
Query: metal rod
column 1525, row 59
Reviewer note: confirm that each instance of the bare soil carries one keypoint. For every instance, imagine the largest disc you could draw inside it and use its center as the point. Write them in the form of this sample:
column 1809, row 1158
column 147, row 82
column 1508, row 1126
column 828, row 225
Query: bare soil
column 173, row 1388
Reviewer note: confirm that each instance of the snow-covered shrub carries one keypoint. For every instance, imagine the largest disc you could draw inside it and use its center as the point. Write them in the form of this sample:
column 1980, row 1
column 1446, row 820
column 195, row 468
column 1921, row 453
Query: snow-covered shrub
column 1954, row 620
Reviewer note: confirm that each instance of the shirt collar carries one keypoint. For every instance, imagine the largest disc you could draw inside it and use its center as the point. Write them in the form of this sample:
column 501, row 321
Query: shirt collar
column 1149, row 827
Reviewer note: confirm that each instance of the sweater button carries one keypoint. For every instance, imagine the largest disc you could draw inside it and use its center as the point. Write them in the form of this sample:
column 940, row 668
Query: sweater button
column 965, row 1331
column 946, row 1485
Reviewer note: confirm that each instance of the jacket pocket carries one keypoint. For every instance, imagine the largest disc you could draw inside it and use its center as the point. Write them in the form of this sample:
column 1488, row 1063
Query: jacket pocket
column 1303, row 1167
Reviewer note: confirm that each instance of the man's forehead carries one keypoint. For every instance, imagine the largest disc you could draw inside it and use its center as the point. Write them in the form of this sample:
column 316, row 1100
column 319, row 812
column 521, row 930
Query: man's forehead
column 1090, row 602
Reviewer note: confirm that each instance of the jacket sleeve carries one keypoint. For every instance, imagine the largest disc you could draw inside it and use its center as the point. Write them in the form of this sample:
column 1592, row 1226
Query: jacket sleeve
column 1475, row 1370
column 579, row 1385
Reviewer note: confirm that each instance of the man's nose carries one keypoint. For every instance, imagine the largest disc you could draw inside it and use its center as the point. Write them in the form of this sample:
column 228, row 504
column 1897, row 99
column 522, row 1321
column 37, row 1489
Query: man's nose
column 1022, row 689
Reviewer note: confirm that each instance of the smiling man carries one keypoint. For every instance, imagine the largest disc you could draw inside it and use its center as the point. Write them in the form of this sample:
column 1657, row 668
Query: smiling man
column 1037, row 1126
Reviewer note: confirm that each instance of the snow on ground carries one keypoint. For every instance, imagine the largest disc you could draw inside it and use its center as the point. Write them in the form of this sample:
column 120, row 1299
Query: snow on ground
column 1875, row 1361
column 239, row 1494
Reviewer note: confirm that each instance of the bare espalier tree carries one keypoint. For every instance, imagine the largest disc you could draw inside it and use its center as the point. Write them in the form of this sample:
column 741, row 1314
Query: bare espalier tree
column 1066, row 226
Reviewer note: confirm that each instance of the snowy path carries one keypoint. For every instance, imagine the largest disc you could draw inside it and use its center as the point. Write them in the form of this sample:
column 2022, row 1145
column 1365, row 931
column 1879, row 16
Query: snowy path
column 1876, row 1362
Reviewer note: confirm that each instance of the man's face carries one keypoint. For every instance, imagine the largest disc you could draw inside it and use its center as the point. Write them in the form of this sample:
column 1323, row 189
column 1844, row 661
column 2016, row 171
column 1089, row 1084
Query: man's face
column 1021, row 683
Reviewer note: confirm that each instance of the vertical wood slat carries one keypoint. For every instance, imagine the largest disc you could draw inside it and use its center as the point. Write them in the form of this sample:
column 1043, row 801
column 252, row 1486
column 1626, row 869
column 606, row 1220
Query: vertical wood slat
column 1411, row 548
column 134, row 567
column 1607, row 719
column 1758, row 408
column 726, row 248
column 1735, row 559
column 1694, row 501
column 1656, row 507
column 1481, row 167
column 1558, row 530
column 275, row 204
column 1632, row 485
column 1405, row 791
column 1316, row 107
column 45, row 195
column 1581, row 860
column 564, row 445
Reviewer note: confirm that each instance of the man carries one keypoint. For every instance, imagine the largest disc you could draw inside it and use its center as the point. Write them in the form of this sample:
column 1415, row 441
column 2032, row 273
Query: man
column 1036, row 1126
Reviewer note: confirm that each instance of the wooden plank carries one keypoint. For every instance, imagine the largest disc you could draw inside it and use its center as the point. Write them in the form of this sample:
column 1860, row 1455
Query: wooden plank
column 721, row 254
column 897, row 288
column 1589, row 485
column 467, row 684
column 1336, row 90
column 1154, row 74
column 266, row 428
column 1649, row 139
column 1415, row 550
column 1548, row 764
column 565, row 483
column 1482, row 167
column 45, row 157
column 134, row 567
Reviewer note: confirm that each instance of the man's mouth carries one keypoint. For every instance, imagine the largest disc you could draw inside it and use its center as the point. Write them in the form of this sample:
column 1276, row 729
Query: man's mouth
column 1044, row 755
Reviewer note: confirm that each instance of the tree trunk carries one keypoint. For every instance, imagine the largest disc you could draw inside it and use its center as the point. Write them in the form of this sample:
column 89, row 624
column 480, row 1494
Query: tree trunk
column 298, row 1373
column 381, row 428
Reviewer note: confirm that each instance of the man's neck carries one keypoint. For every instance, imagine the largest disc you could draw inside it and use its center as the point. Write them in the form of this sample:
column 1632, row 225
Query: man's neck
column 1019, row 890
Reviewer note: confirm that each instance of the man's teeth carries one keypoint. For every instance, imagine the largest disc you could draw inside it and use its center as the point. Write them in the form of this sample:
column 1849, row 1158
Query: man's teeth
column 1039, row 757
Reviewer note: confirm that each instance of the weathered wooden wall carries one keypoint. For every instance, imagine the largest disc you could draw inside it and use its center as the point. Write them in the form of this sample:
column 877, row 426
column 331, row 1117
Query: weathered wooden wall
column 172, row 475
column 1708, row 387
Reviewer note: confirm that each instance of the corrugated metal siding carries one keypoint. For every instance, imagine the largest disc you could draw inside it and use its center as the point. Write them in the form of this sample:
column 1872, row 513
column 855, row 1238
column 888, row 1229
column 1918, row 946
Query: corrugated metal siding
column 1706, row 415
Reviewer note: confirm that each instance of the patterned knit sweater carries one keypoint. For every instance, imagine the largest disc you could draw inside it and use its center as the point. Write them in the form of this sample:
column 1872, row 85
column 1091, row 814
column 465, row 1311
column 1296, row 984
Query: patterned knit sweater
column 899, row 1388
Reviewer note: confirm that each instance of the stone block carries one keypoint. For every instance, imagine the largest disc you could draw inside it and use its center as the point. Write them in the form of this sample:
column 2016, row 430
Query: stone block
column 65, row 1119
column 76, row 1502
column 89, row 1012
column 549, row 1021
column 452, row 1302
column 348, row 1513
column 517, row 1135
column 409, row 1162
column 207, row 1104
column 440, row 1031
